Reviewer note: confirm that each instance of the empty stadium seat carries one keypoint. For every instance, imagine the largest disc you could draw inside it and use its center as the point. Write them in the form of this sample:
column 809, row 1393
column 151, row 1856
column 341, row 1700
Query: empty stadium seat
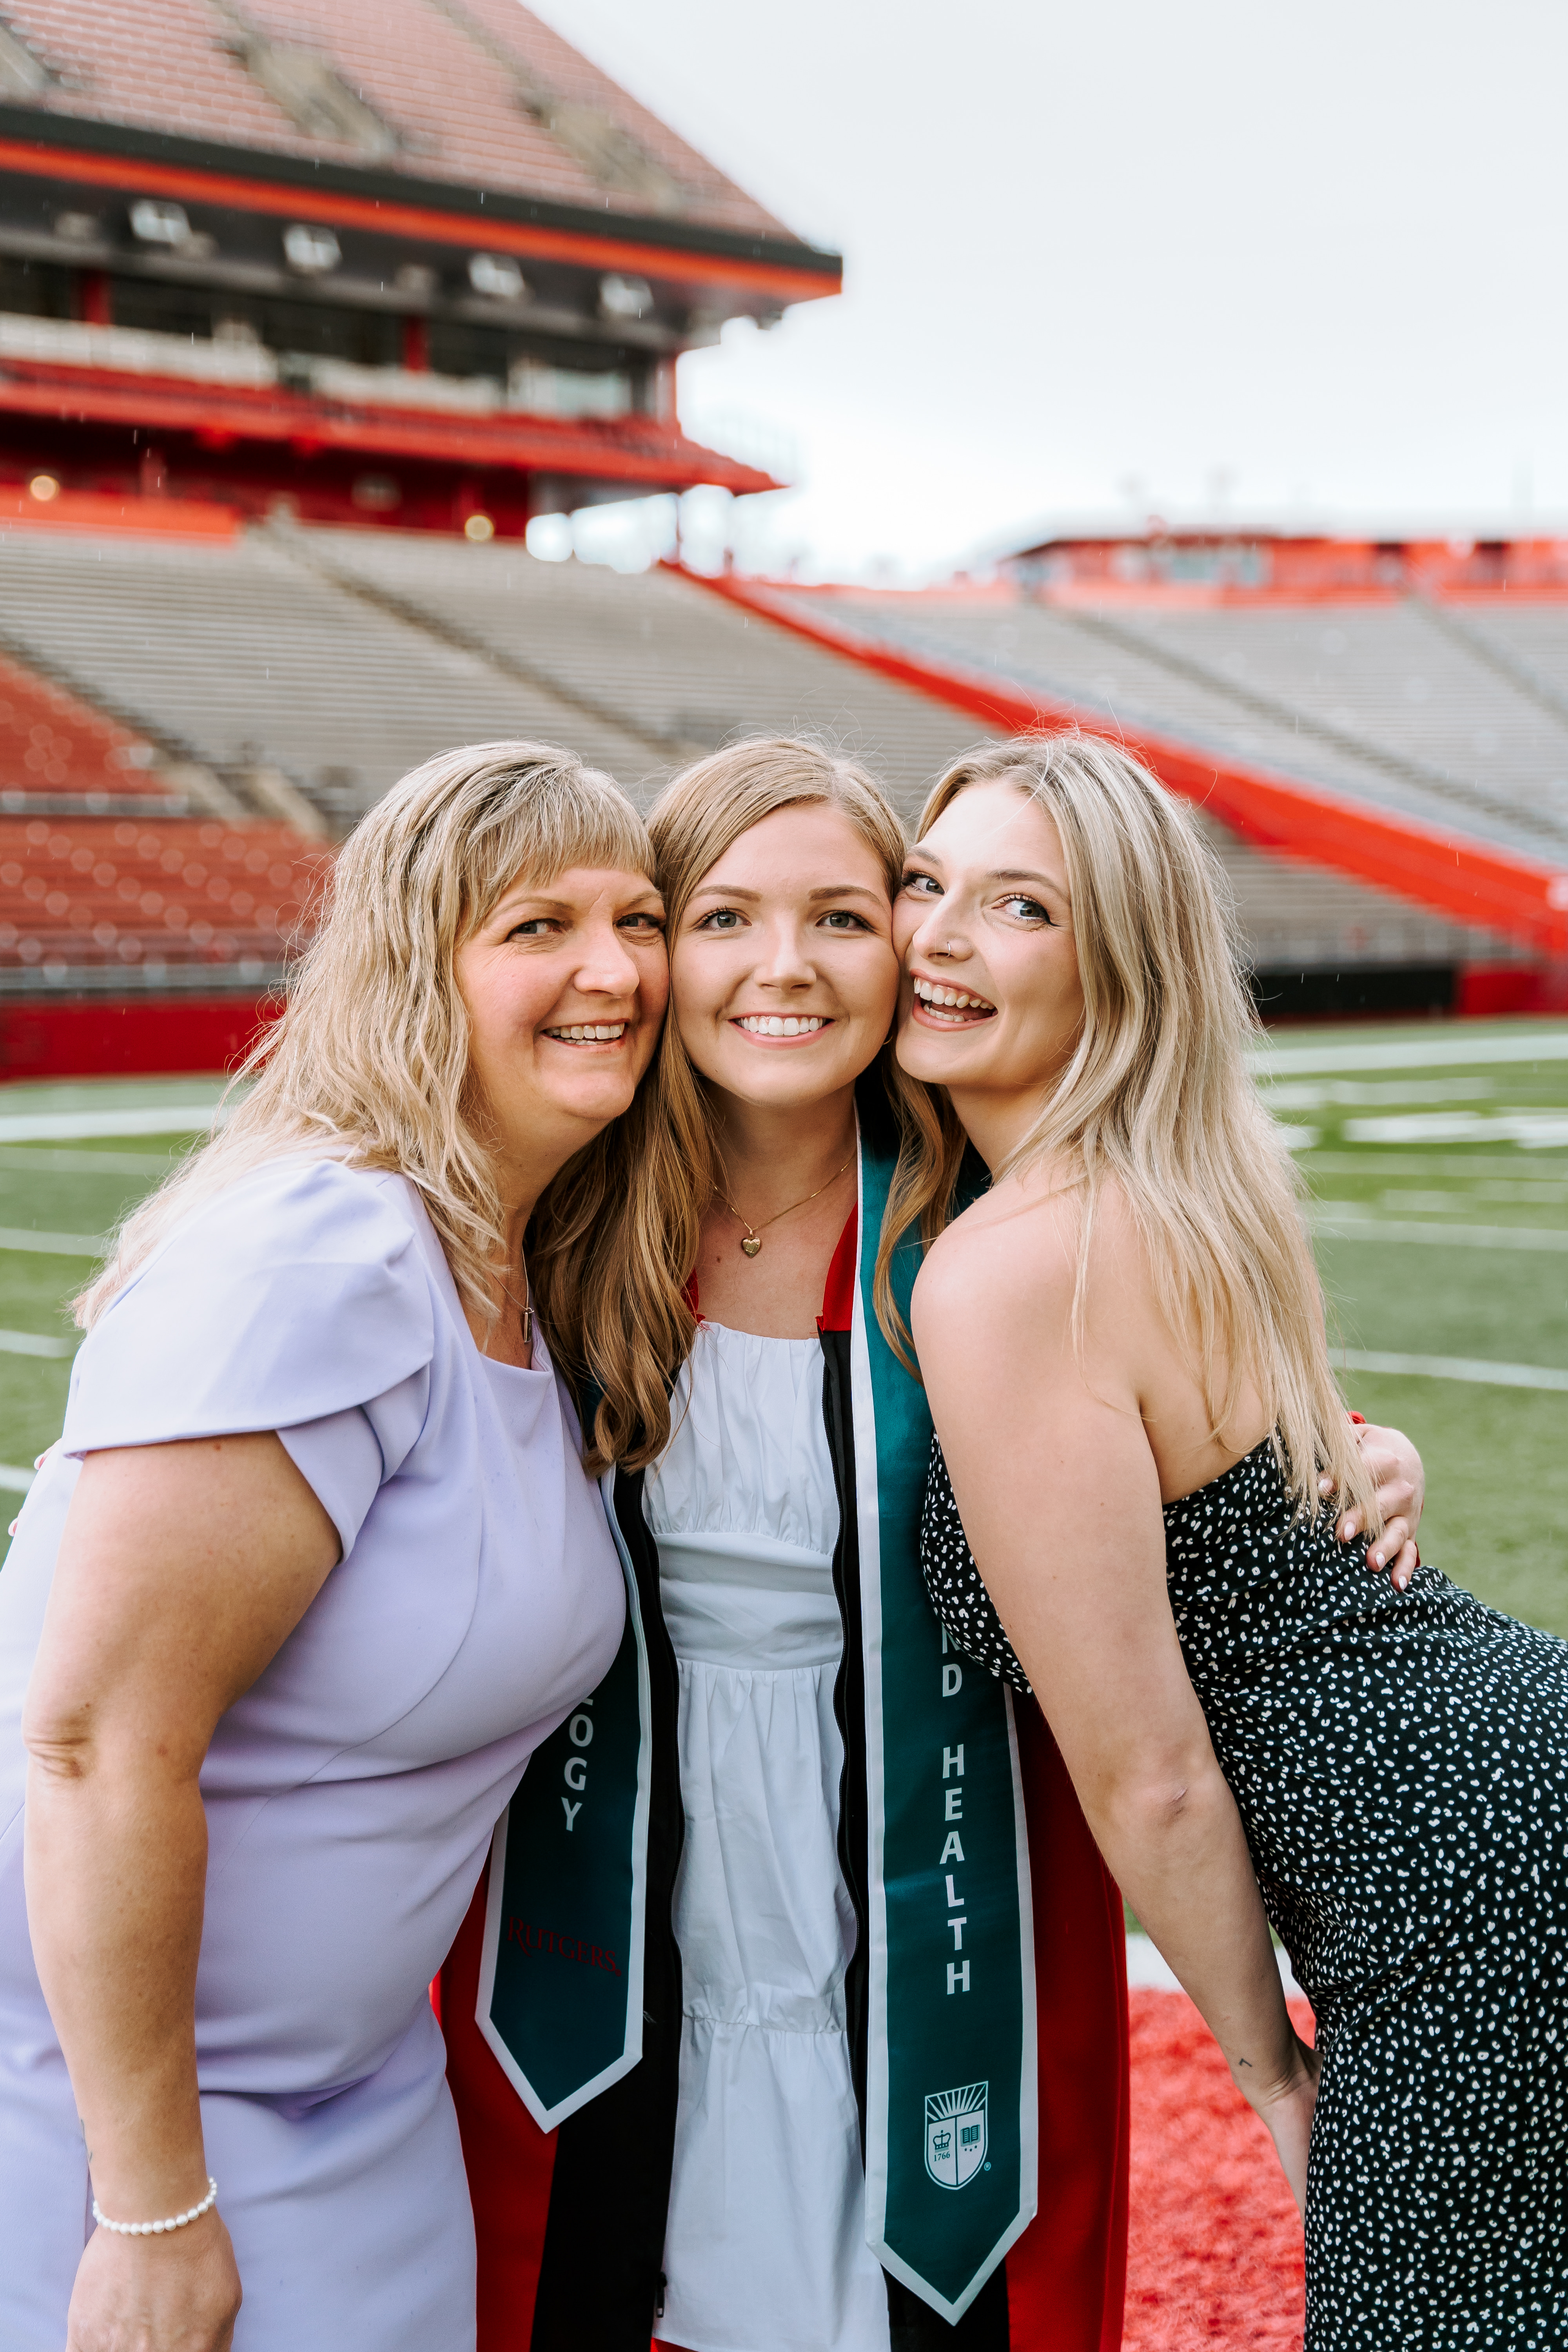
column 115, row 897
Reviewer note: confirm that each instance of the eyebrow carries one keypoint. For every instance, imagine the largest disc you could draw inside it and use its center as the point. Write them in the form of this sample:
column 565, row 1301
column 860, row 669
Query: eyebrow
column 997, row 873
column 827, row 890
column 547, row 905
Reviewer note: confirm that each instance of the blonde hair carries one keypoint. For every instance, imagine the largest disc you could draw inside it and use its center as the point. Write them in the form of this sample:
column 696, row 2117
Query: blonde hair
column 1157, row 1098
column 370, row 1057
column 639, row 1205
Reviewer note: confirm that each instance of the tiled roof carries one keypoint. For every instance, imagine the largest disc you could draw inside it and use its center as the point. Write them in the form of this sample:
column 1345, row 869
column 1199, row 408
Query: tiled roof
column 475, row 91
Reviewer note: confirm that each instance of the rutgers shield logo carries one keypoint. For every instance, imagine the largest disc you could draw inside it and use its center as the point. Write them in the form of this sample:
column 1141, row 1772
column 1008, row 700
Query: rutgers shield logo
column 955, row 2134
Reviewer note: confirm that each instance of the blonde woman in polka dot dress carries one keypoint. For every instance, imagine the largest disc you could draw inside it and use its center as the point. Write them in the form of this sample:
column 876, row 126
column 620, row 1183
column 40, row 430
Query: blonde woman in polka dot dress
column 1124, row 1349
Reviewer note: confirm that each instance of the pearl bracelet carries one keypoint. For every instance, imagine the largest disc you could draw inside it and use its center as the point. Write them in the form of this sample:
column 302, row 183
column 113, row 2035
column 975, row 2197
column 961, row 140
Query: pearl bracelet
column 155, row 2229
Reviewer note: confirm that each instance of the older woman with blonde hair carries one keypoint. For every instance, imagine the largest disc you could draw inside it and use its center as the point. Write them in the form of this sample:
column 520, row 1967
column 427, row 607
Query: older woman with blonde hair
column 313, row 1569
column 1125, row 1351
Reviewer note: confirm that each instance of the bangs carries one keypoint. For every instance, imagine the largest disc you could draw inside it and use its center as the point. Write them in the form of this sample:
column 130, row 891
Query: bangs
column 548, row 822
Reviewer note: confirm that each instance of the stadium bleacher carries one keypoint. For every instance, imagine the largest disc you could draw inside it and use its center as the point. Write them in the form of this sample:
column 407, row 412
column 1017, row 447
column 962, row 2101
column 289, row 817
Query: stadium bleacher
column 1393, row 702
column 331, row 661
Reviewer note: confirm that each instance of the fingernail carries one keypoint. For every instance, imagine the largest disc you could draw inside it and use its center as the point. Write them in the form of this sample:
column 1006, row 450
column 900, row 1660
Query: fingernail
column 1378, row 1559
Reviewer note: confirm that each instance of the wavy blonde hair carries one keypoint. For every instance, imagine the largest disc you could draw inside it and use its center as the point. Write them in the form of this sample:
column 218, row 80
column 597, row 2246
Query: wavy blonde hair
column 370, row 1058
column 637, row 1202
column 1157, row 1099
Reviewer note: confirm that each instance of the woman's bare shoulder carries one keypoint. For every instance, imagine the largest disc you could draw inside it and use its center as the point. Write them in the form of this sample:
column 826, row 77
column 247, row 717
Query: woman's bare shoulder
column 1011, row 1262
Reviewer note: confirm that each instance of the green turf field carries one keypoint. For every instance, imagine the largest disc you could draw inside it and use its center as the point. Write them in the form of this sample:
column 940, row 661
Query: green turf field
column 1437, row 1161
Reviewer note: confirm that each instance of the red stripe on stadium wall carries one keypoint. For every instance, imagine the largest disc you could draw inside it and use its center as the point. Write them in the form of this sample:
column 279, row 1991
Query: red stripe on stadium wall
column 674, row 264
column 130, row 1036
column 1468, row 881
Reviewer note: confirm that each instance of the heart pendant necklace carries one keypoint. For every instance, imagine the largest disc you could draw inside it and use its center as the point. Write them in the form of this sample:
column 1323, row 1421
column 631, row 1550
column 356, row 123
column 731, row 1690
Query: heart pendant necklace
column 752, row 1239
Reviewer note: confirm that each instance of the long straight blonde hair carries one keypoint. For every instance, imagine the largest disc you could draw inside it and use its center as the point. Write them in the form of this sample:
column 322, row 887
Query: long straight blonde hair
column 637, row 1202
column 1157, row 1099
column 370, row 1058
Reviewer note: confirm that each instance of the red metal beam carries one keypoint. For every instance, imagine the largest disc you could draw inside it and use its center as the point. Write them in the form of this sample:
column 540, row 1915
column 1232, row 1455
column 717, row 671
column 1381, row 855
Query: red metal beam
column 1454, row 875
column 640, row 450
column 672, row 265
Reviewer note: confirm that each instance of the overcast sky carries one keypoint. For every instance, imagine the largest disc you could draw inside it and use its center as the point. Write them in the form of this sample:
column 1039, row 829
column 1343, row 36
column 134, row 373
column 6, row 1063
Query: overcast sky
column 1127, row 257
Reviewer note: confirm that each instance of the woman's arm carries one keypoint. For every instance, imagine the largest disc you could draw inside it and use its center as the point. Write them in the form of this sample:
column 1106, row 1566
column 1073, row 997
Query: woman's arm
column 182, row 1569
column 1060, row 1497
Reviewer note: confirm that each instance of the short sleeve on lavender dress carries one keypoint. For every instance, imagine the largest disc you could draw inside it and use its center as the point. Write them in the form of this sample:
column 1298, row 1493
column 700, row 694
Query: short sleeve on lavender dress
column 352, row 1792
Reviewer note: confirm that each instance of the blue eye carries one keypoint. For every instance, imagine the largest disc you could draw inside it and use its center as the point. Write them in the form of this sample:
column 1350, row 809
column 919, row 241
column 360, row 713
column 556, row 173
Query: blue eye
column 922, row 884
column 844, row 919
column 1024, row 910
column 721, row 919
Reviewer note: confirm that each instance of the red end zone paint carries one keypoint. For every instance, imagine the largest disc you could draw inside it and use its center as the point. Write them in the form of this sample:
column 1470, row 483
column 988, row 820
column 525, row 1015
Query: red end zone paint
column 1467, row 880
column 1214, row 2248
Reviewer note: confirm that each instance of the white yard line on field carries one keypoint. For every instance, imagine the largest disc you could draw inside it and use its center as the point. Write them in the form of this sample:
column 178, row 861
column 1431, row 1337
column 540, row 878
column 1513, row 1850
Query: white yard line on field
column 64, row 1125
column 1454, row 1367
column 13, row 1481
column 1347, row 1222
column 35, row 1343
column 1425, row 1052
column 22, row 1237
column 1147, row 1966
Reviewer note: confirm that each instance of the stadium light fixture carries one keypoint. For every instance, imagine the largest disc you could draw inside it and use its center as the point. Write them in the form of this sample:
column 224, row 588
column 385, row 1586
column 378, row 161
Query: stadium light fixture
column 311, row 251
column 479, row 527
column 44, row 487
column 623, row 298
column 155, row 222
column 497, row 277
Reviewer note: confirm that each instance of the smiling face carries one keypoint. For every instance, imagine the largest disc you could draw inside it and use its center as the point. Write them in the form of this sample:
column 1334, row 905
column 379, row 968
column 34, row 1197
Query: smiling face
column 783, row 969
column 991, row 1003
column 565, row 990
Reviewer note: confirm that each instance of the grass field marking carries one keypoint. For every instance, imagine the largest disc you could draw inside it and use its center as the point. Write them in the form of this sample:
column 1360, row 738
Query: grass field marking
column 1454, row 1367
column 32, row 1160
column 63, row 1125
column 35, row 1343
column 94, row 1245
column 1446, row 1052
column 1533, row 1131
column 1347, row 1221
column 13, row 1481
column 1432, row 1163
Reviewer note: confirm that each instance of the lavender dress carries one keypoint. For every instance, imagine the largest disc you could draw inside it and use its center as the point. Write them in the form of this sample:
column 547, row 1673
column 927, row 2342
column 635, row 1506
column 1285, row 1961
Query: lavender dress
column 352, row 1792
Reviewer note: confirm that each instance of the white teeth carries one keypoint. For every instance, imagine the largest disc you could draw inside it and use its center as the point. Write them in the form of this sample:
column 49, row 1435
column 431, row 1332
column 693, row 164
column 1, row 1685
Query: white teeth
column 931, row 992
column 777, row 1024
column 590, row 1033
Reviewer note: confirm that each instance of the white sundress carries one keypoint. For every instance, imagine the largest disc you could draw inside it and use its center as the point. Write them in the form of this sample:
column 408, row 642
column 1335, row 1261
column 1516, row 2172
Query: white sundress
column 765, row 2244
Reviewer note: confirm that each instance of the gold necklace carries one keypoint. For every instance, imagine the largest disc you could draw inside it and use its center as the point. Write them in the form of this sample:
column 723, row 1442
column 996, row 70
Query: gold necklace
column 751, row 1240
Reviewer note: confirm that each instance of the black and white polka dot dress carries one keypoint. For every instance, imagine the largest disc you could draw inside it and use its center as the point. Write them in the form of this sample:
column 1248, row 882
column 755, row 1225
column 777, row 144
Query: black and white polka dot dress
column 1399, row 1762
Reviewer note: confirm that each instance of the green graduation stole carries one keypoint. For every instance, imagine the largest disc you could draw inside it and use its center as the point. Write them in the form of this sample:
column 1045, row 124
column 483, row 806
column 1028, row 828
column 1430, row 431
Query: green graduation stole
column 952, row 2139
column 952, row 2090
column 562, row 1967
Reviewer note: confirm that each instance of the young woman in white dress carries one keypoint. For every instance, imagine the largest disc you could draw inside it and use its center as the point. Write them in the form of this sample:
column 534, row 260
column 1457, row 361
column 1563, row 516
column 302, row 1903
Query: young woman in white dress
column 313, row 1569
column 731, row 2157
